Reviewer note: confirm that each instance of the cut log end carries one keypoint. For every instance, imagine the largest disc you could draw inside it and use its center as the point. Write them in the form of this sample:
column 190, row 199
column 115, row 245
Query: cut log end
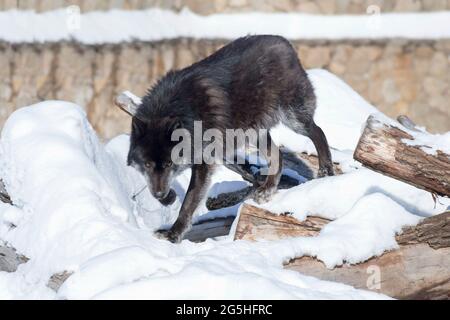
column 381, row 148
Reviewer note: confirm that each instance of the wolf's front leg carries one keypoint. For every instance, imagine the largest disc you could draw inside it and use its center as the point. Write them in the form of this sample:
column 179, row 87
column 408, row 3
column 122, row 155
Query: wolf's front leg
column 198, row 187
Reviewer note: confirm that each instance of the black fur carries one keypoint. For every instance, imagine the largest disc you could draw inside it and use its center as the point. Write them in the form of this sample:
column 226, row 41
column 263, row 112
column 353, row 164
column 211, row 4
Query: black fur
column 253, row 82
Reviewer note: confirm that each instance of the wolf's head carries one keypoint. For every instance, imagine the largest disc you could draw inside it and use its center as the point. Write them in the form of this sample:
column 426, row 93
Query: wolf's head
column 150, row 153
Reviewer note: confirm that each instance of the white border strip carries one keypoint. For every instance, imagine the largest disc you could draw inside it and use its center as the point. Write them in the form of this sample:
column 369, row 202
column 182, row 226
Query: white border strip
column 117, row 26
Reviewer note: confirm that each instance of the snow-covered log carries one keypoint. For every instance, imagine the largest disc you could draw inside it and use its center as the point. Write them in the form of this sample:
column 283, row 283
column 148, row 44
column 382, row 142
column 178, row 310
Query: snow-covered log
column 388, row 149
column 419, row 269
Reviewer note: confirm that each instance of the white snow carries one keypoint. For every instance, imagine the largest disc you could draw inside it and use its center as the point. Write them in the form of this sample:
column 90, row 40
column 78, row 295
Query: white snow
column 74, row 212
column 343, row 192
column 156, row 24
column 430, row 143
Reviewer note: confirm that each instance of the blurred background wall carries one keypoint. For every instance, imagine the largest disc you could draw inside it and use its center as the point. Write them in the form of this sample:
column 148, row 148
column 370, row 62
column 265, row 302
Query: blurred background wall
column 218, row 6
column 398, row 76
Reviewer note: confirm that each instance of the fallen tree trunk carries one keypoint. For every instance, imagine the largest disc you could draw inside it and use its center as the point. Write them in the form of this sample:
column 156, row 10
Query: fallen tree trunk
column 419, row 269
column 411, row 272
column 382, row 148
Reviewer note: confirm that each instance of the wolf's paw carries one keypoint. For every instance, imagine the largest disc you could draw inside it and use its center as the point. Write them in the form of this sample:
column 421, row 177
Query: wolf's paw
column 168, row 235
column 325, row 172
column 264, row 194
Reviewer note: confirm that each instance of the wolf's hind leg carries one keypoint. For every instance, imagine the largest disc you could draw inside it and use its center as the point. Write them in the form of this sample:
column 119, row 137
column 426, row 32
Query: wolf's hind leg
column 300, row 120
column 317, row 136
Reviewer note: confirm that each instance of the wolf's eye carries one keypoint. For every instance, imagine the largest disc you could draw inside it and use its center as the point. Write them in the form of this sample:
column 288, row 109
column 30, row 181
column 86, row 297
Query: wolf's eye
column 148, row 164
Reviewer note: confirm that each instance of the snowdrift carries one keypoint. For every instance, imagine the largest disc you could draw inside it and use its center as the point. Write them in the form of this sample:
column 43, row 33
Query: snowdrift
column 73, row 211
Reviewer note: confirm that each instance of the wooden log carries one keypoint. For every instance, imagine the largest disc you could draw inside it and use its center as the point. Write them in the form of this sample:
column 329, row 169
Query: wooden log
column 433, row 231
column 419, row 269
column 381, row 149
column 411, row 272
column 256, row 224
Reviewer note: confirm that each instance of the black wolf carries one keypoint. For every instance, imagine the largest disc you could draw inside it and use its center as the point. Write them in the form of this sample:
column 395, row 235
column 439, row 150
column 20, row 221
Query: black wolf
column 253, row 82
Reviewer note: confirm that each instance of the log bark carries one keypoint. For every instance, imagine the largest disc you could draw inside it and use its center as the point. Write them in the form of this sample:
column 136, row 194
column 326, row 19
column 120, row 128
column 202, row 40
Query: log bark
column 256, row 224
column 433, row 231
column 381, row 149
